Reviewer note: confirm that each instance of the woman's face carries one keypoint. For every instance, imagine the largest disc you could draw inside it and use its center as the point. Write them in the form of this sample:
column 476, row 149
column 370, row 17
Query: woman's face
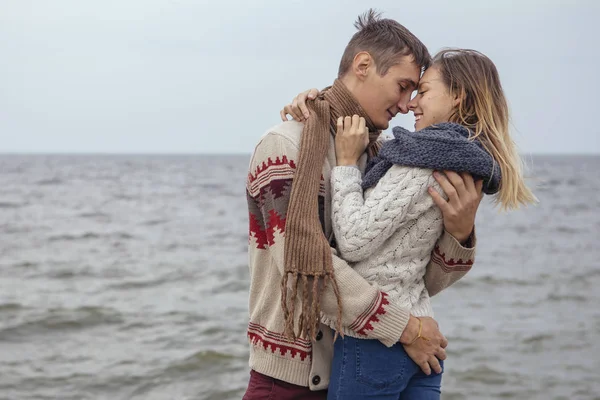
column 433, row 103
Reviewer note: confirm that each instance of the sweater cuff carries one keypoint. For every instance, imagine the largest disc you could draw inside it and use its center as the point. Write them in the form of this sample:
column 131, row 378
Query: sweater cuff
column 471, row 241
column 391, row 324
column 347, row 171
column 452, row 247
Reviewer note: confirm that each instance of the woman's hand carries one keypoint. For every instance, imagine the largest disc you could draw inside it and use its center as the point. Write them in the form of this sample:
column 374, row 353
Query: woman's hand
column 351, row 139
column 429, row 349
column 464, row 197
column 298, row 110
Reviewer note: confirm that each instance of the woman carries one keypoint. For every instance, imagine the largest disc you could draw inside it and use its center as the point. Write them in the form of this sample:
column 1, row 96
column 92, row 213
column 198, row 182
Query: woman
column 389, row 231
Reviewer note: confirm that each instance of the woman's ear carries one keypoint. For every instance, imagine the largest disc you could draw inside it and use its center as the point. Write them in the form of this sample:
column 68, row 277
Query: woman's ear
column 458, row 98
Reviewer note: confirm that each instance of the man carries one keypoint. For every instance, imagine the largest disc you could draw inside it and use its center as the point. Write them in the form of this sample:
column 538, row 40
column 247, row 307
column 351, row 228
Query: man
column 295, row 275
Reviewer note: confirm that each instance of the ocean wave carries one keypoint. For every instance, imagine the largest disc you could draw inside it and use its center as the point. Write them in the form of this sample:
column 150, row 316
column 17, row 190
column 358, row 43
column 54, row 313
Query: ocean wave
column 68, row 273
column 90, row 236
column 94, row 215
column 12, row 230
column 62, row 320
column 10, row 204
column 49, row 182
column 68, row 237
column 211, row 186
column 483, row 374
column 199, row 361
column 154, row 222
column 230, row 287
column 499, row 281
column 567, row 297
column 456, row 352
column 569, row 230
column 537, row 338
column 141, row 284
column 24, row 264
column 585, row 276
column 11, row 307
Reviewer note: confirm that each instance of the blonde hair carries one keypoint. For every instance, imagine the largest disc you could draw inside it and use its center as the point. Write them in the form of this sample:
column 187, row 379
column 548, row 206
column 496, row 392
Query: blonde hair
column 483, row 109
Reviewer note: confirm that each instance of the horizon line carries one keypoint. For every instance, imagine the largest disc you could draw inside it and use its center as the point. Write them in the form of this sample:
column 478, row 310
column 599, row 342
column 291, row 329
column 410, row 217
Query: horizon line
column 175, row 153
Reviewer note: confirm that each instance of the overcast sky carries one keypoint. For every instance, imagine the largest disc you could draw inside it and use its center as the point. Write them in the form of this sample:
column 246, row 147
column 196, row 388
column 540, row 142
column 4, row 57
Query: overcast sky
column 170, row 76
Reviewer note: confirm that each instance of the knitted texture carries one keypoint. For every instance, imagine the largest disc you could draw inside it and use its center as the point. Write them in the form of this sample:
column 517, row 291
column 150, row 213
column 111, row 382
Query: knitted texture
column 367, row 310
column 444, row 146
column 308, row 263
column 389, row 234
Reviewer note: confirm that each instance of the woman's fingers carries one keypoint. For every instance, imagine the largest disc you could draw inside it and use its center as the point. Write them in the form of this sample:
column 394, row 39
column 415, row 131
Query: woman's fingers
column 299, row 104
column 355, row 121
column 347, row 124
column 283, row 115
column 435, row 364
column 479, row 188
column 362, row 125
column 425, row 368
column 469, row 182
column 298, row 109
column 458, row 183
column 439, row 200
column 290, row 110
column 340, row 126
column 351, row 139
column 312, row 94
column 441, row 354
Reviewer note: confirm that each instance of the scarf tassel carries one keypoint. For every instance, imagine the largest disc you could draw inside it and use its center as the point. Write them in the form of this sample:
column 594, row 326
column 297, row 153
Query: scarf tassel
column 311, row 303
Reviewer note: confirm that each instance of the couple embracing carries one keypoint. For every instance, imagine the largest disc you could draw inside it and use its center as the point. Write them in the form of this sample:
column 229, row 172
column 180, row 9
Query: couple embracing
column 351, row 234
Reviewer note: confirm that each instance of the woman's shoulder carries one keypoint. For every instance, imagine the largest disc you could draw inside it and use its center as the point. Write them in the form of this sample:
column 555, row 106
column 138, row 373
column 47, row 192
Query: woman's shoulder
column 412, row 175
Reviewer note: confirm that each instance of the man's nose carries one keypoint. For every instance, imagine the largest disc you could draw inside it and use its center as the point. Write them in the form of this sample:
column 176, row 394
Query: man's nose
column 403, row 107
column 403, row 104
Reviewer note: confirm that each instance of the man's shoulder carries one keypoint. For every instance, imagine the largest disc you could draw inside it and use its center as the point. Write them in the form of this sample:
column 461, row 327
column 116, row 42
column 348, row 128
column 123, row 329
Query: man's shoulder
column 288, row 131
column 280, row 142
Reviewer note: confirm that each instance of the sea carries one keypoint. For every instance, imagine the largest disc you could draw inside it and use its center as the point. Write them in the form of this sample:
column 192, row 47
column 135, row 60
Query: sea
column 126, row 277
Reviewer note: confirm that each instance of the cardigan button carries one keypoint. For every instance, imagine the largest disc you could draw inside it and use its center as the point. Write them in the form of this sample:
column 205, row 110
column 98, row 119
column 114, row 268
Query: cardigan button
column 319, row 335
column 316, row 380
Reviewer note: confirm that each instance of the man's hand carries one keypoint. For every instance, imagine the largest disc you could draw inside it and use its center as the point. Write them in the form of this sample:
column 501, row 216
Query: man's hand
column 298, row 109
column 464, row 197
column 427, row 350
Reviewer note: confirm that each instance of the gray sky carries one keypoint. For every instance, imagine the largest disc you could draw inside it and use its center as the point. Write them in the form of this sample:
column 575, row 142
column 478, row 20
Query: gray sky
column 134, row 76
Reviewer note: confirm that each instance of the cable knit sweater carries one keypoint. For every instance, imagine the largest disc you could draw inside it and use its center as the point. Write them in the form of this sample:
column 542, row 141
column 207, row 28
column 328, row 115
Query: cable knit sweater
column 365, row 308
column 389, row 234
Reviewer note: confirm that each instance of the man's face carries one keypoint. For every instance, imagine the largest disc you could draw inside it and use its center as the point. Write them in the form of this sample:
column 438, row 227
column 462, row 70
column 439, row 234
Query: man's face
column 382, row 97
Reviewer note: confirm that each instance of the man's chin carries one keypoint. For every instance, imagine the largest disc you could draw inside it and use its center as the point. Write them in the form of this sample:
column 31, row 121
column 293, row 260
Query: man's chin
column 382, row 126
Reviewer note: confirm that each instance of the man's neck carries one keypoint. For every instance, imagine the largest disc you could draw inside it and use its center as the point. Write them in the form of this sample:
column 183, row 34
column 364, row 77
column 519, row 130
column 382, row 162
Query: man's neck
column 352, row 84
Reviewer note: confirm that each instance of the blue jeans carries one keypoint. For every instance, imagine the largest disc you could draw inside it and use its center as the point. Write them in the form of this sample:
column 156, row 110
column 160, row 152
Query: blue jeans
column 366, row 369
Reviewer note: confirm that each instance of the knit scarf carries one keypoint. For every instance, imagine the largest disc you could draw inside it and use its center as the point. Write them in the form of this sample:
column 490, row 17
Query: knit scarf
column 445, row 146
column 307, row 260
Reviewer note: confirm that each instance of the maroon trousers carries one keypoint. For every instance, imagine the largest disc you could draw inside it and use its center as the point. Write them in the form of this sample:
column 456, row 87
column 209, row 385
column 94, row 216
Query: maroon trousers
column 262, row 387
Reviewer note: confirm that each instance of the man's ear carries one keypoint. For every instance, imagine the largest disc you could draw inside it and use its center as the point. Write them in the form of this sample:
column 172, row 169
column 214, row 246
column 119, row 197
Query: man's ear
column 362, row 65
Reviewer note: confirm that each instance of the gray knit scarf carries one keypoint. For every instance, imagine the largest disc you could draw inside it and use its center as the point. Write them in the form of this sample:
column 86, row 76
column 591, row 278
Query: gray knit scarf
column 444, row 146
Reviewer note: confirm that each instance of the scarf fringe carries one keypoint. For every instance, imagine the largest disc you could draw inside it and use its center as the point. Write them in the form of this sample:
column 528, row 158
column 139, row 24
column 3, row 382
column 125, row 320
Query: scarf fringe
column 309, row 319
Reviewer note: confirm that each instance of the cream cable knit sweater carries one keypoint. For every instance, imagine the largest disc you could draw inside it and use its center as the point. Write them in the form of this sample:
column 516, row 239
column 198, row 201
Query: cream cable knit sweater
column 388, row 235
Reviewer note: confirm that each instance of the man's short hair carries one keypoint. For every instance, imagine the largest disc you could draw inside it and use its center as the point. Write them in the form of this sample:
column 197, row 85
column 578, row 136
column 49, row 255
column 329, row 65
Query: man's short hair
column 386, row 40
